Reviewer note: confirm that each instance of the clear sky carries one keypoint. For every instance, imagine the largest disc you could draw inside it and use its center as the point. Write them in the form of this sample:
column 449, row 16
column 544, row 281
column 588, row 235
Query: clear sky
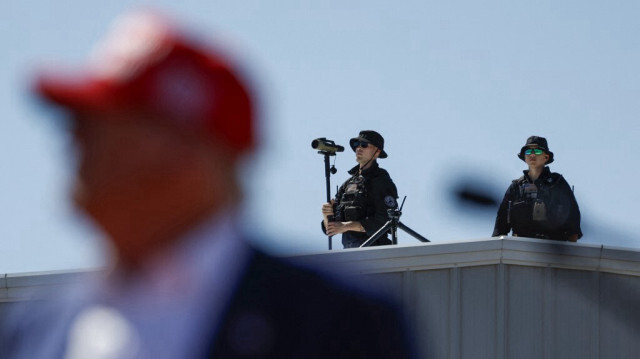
column 455, row 87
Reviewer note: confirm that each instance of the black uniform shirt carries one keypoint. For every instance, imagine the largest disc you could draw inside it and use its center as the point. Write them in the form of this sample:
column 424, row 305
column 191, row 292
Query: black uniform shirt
column 365, row 198
column 544, row 208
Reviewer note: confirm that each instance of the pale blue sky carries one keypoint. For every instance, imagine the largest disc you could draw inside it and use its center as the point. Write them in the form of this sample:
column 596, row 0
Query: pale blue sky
column 454, row 87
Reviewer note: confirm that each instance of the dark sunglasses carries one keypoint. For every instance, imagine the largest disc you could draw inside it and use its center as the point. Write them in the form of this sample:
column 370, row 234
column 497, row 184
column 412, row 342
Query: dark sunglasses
column 535, row 151
column 357, row 144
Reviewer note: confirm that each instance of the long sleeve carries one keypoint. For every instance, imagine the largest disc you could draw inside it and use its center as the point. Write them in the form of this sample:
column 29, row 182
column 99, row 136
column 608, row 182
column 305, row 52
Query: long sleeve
column 382, row 187
column 502, row 225
column 572, row 224
column 337, row 202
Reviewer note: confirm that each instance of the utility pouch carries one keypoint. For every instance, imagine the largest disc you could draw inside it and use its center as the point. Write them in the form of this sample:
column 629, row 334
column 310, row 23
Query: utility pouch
column 520, row 213
column 352, row 213
column 539, row 211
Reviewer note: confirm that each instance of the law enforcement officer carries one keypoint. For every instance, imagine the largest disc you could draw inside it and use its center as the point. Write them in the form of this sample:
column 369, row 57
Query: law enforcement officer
column 361, row 204
column 539, row 204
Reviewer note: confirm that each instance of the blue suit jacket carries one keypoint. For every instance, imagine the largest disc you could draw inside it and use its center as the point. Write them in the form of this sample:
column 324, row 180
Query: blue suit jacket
column 283, row 311
column 278, row 310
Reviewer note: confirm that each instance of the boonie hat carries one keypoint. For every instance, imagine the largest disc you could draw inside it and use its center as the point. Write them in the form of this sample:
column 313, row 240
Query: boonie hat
column 146, row 63
column 536, row 142
column 373, row 138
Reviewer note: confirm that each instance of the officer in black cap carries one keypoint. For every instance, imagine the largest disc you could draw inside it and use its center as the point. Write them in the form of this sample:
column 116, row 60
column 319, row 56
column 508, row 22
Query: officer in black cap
column 540, row 204
column 361, row 204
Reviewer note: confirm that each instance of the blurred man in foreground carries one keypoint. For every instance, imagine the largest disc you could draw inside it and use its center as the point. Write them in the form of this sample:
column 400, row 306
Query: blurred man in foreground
column 161, row 122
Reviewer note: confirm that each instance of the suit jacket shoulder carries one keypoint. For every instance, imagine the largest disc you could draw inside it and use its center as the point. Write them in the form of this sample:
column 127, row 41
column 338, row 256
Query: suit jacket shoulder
column 283, row 310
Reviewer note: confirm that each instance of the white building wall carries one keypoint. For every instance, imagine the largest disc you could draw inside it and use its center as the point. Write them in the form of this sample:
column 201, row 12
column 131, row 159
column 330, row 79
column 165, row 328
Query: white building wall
column 491, row 298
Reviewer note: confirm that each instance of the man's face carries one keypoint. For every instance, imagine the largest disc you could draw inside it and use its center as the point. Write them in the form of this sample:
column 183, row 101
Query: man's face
column 366, row 154
column 535, row 157
column 122, row 160
column 144, row 180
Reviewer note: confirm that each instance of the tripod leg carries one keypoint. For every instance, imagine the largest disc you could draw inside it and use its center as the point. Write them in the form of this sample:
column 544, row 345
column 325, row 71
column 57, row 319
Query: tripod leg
column 413, row 233
column 382, row 231
column 394, row 234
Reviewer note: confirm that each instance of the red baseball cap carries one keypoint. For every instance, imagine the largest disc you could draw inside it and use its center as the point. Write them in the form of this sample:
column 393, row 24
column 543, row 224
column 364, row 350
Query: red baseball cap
column 147, row 63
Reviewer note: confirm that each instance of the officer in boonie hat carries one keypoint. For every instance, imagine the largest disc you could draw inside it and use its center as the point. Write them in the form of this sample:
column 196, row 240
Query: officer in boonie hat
column 540, row 204
column 360, row 206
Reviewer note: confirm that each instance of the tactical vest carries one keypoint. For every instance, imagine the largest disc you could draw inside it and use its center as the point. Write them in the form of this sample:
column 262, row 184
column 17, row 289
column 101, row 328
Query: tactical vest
column 537, row 209
column 351, row 204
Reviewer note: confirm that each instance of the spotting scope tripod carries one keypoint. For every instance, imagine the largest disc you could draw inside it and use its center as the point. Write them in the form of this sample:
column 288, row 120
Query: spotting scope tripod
column 393, row 224
column 327, row 148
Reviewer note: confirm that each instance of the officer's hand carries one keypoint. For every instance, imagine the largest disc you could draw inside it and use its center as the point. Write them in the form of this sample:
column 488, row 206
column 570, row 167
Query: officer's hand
column 334, row 228
column 327, row 209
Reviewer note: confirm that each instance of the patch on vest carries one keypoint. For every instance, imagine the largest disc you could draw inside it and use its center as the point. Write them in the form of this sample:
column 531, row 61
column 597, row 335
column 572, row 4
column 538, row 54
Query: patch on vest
column 390, row 202
column 357, row 180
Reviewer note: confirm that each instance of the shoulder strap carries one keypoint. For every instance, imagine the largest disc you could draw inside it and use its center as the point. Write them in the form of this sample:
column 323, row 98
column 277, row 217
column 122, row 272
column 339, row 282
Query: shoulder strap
column 515, row 187
column 518, row 181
